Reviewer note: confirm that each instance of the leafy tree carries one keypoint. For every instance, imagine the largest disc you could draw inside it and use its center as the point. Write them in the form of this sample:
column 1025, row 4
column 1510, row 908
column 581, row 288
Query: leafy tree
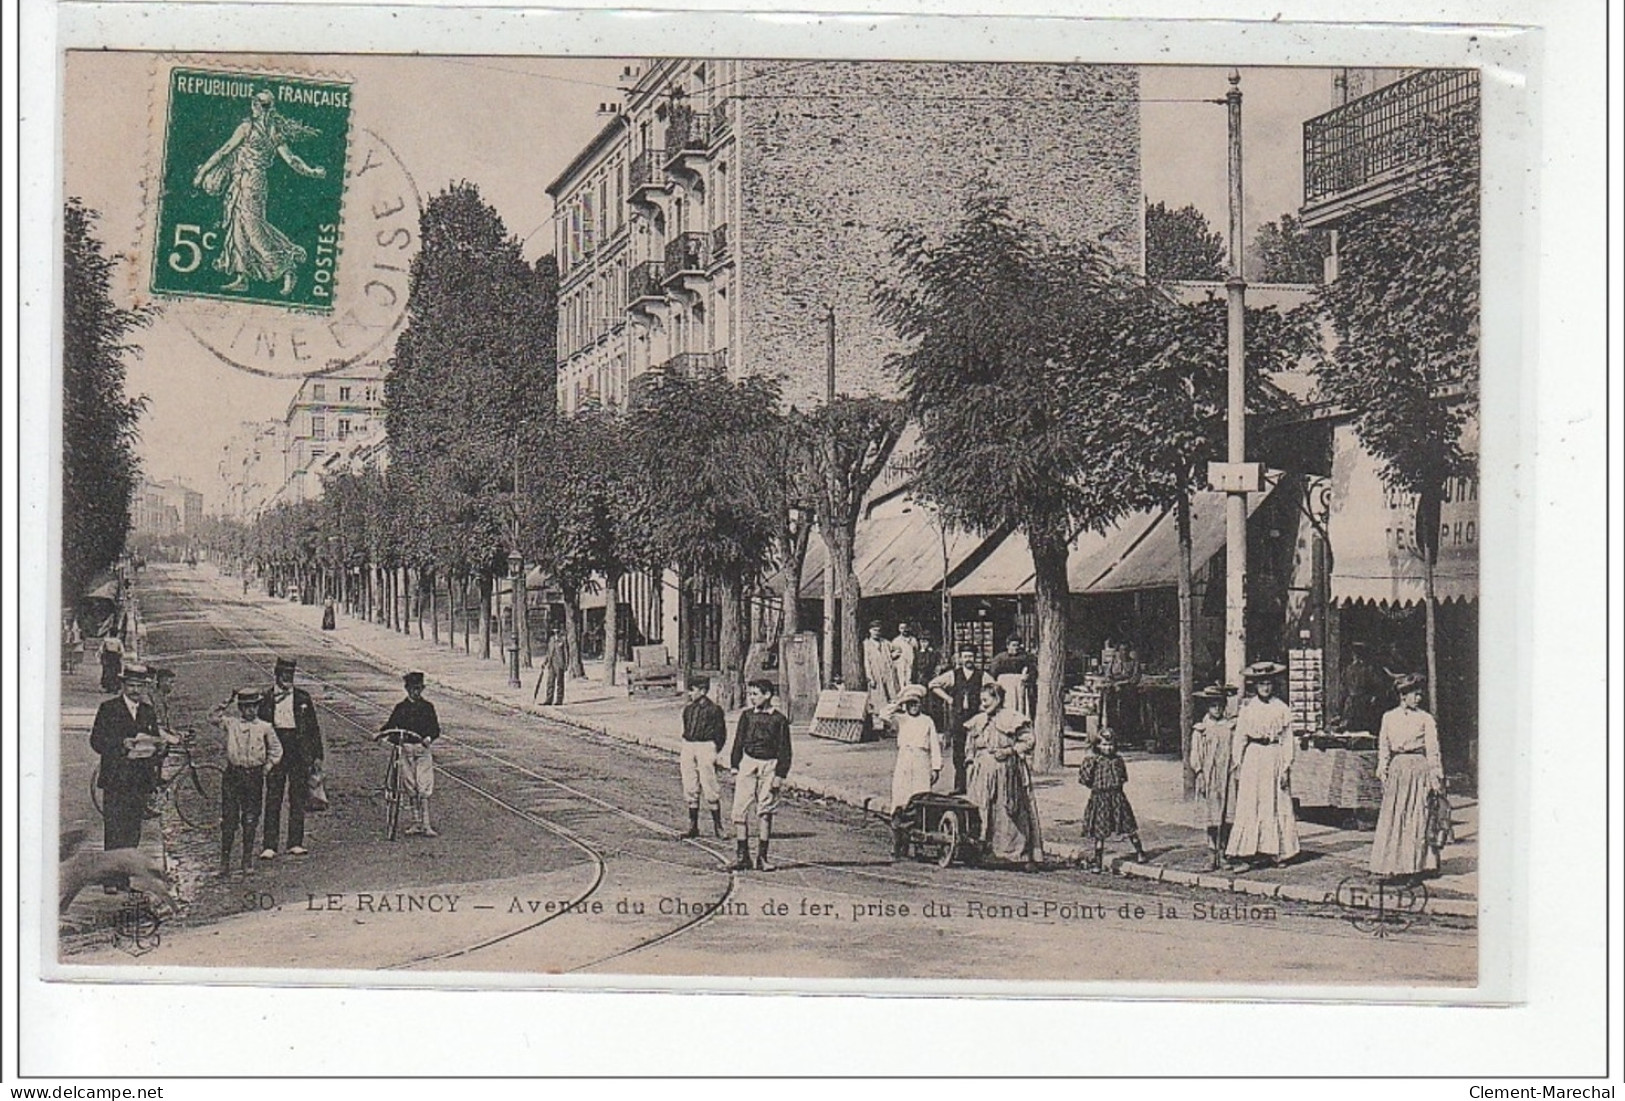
column 1283, row 251
column 1181, row 244
column 477, row 356
column 1404, row 309
column 100, row 423
column 854, row 438
column 706, row 480
column 1010, row 335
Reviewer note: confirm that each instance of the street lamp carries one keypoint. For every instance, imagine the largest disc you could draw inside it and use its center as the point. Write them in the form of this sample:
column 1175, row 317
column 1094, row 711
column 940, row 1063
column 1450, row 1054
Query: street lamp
column 515, row 564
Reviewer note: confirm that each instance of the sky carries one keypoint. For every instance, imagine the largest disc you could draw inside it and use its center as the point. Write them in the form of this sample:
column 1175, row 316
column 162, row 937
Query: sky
column 511, row 125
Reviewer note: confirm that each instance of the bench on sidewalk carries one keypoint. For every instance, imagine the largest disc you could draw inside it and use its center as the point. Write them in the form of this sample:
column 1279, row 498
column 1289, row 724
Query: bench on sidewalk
column 650, row 670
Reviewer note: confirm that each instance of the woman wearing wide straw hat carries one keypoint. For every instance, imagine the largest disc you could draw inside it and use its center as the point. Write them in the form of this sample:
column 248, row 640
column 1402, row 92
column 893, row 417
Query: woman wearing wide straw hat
column 919, row 756
column 1409, row 766
column 1263, row 827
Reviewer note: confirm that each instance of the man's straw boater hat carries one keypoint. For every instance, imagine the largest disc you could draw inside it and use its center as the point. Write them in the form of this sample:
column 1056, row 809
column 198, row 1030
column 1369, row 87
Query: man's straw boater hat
column 1263, row 670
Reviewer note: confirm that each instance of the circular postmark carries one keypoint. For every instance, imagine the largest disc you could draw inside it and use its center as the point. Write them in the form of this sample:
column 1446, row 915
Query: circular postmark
column 368, row 272
column 1380, row 907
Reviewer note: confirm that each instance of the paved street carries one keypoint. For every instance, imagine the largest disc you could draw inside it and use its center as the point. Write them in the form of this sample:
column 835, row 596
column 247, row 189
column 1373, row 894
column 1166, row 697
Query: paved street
column 558, row 853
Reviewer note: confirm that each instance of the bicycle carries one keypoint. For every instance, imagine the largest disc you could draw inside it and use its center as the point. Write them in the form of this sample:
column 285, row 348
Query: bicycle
column 391, row 789
column 191, row 787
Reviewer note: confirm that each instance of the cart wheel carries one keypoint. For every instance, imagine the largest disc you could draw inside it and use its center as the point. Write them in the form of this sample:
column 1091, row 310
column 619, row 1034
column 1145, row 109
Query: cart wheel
column 948, row 829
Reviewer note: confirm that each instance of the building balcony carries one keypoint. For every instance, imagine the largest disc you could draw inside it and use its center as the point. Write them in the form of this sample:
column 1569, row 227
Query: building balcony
column 697, row 364
column 647, row 179
column 720, row 123
column 687, row 260
column 643, row 287
column 720, row 251
column 688, row 140
column 1372, row 148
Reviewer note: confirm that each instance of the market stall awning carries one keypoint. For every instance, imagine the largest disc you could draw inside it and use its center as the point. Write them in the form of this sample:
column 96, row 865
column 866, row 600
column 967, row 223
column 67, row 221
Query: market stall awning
column 1372, row 529
column 1142, row 552
column 898, row 553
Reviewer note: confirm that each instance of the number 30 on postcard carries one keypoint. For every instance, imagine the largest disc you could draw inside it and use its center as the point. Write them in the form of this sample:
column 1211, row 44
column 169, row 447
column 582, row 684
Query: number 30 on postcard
column 253, row 189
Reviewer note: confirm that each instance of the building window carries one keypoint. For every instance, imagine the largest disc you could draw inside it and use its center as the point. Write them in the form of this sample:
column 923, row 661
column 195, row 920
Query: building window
column 344, row 428
column 317, row 452
column 344, row 393
column 318, row 391
column 318, row 428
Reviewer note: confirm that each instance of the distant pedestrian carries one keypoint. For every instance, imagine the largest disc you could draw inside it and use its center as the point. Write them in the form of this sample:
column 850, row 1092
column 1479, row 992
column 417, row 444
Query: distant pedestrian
column 293, row 713
column 919, row 758
column 329, row 617
column 550, row 681
column 1016, row 671
column 705, row 732
column 1412, row 775
column 1263, row 825
column 960, row 691
column 1212, row 743
column 112, row 659
column 760, row 762
column 1000, row 780
column 1108, row 813
column 879, row 670
column 905, row 649
column 251, row 747
column 417, row 718
column 126, row 735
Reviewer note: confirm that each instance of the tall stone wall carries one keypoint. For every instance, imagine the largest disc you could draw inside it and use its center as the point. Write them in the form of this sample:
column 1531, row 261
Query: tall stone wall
column 833, row 154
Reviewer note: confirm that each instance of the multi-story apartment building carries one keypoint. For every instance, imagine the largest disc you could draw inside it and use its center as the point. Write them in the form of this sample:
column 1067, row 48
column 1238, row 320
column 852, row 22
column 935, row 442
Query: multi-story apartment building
column 250, row 469
column 166, row 508
column 716, row 220
column 328, row 413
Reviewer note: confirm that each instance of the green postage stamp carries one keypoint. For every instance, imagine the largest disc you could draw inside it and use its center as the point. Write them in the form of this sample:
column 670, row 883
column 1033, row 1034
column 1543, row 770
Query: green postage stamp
column 252, row 189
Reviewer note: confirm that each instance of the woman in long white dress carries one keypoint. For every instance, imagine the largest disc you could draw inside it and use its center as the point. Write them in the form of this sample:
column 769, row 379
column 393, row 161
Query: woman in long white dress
column 919, row 757
column 1263, row 825
column 1411, row 771
column 250, row 246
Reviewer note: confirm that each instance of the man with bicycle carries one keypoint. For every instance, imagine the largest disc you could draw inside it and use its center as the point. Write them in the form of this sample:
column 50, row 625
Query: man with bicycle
column 414, row 726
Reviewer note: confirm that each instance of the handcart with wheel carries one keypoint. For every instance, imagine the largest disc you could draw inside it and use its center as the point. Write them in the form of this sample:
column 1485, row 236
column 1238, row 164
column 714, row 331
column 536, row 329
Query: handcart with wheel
column 944, row 828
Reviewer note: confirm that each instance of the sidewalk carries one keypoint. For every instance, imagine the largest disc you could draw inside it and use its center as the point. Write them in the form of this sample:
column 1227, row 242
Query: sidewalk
column 860, row 775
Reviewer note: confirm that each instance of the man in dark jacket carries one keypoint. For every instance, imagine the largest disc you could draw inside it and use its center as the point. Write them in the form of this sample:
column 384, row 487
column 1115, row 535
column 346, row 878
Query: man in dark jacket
column 126, row 735
column 1368, row 693
column 416, row 718
column 293, row 713
column 705, row 732
column 760, row 761
column 960, row 692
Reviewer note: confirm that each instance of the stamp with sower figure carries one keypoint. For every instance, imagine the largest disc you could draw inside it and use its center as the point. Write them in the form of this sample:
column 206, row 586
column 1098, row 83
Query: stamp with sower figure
column 252, row 193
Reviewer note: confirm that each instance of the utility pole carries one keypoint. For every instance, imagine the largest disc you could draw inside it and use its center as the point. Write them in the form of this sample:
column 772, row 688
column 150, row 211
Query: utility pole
column 829, row 500
column 1236, row 477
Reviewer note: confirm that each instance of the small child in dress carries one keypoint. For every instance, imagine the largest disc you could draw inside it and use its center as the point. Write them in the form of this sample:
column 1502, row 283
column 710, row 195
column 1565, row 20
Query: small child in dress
column 1108, row 814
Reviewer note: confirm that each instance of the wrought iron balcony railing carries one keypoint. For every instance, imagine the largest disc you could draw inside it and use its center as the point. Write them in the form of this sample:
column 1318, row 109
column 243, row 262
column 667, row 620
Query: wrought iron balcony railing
column 687, row 131
column 696, row 364
column 686, row 255
column 644, row 280
column 1384, row 135
column 646, row 170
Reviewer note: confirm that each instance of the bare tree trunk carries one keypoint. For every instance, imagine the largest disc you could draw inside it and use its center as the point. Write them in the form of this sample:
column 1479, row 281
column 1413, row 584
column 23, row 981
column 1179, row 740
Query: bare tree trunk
column 851, row 639
column 1429, row 605
column 612, row 626
column 731, row 649
column 417, row 598
column 1050, row 597
column 1187, row 643
column 486, row 588
column 468, row 622
column 572, row 632
column 792, row 584
column 685, row 622
column 521, row 611
column 434, row 606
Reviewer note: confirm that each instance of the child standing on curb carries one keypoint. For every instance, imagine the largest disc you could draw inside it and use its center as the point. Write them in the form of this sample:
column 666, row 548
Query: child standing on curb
column 1108, row 814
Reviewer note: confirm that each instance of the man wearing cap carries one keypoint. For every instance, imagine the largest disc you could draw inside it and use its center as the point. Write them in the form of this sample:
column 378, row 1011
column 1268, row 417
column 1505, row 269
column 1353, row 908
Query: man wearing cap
column 416, row 717
column 251, row 747
column 705, row 732
column 1263, row 825
column 1211, row 746
column 905, row 649
column 760, row 761
column 126, row 735
column 293, row 713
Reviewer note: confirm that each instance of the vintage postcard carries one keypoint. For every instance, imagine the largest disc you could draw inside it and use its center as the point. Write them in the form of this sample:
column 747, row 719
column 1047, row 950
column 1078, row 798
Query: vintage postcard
column 1000, row 525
